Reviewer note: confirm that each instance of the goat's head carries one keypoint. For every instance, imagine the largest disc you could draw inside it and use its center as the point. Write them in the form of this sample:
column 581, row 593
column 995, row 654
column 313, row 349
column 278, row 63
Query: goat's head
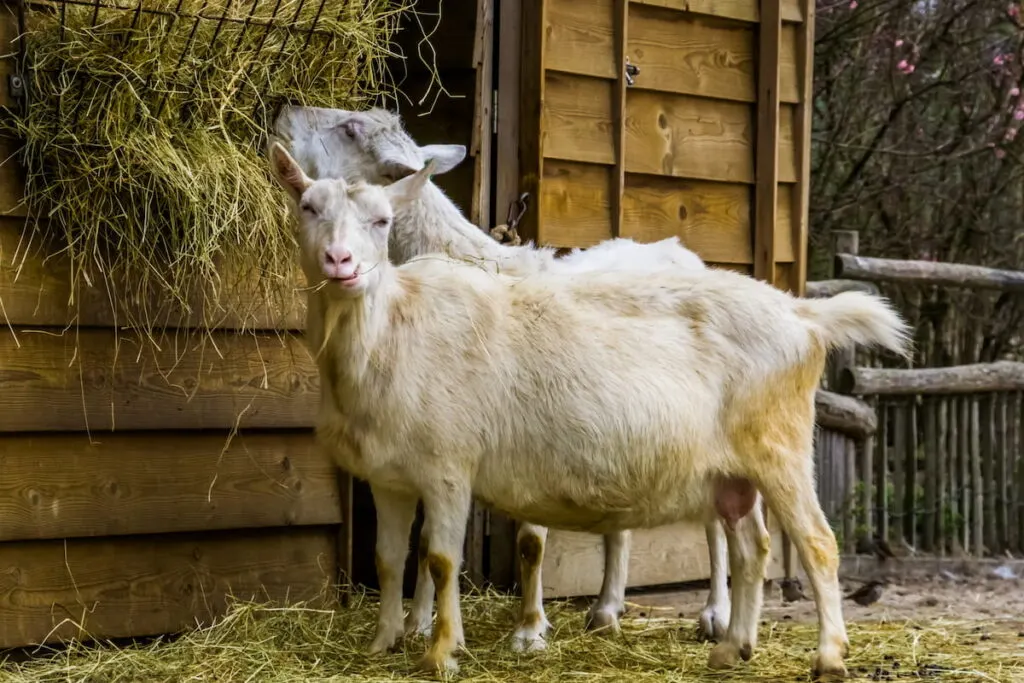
column 342, row 227
column 368, row 145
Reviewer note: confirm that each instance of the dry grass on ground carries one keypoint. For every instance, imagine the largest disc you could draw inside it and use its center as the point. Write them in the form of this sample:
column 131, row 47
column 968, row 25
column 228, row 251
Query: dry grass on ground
column 256, row 643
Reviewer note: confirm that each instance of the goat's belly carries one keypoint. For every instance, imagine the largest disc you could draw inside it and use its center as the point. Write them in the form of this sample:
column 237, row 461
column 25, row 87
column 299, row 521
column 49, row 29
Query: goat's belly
column 598, row 502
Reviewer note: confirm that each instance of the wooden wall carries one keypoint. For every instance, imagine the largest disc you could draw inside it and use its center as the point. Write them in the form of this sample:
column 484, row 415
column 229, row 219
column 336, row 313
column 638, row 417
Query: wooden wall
column 138, row 487
column 710, row 143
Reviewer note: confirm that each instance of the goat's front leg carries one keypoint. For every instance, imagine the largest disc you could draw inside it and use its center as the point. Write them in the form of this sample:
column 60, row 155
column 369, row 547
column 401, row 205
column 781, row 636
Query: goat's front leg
column 611, row 603
column 422, row 612
column 446, row 512
column 533, row 623
column 749, row 546
column 395, row 514
column 714, row 620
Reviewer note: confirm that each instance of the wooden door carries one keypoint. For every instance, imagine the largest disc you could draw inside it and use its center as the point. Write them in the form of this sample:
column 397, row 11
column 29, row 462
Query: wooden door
column 708, row 141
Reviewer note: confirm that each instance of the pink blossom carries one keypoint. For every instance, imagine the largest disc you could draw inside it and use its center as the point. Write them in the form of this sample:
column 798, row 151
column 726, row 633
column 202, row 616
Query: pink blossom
column 905, row 67
column 1014, row 91
column 998, row 60
column 853, row 4
column 1013, row 10
column 1000, row 153
column 1010, row 134
column 1018, row 114
column 899, row 42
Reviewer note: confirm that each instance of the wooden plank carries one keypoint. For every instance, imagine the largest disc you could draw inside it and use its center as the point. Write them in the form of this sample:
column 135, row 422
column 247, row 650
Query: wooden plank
column 931, row 459
column 698, row 138
column 1018, row 451
column 987, row 449
column 483, row 115
column 712, row 219
column 578, row 120
column 36, row 290
column 622, row 32
column 868, row 482
column 343, row 538
column 927, row 273
column 1000, row 478
column 574, row 204
column 803, row 42
column 849, row 449
column 767, row 157
column 574, row 562
column 506, row 144
column 899, row 461
column 742, row 10
column 580, row 37
column 63, row 486
column 531, row 111
column 690, row 55
column 954, row 475
column 1013, row 474
column 964, row 466
column 882, row 469
column 149, row 585
column 910, row 476
column 99, row 379
column 12, row 173
column 844, row 414
column 956, row 379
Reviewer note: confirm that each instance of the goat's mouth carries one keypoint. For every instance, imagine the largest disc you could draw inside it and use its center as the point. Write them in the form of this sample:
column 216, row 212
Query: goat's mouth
column 347, row 280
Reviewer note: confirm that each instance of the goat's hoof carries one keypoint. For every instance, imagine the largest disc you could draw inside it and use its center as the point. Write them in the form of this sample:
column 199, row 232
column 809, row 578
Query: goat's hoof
column 827, row 668
column 713, row 624
column 438, row 662
column 725, row 655
column 418, row 627
column 528, row 642
column 605, row 621
column 382, row 643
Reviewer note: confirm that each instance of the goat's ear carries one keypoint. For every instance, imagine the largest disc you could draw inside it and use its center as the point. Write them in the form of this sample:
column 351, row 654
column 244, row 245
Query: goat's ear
column 410, row 187
column 354, row 126
column 446, row 157
column 288, row 173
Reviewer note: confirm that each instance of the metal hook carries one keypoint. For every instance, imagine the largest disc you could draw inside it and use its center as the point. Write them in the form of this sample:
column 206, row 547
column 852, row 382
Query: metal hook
column 631, row 71
column 516, row 210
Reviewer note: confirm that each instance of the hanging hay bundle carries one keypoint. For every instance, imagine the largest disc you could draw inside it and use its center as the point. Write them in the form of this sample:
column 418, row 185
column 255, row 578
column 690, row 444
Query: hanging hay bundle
column 144, row 131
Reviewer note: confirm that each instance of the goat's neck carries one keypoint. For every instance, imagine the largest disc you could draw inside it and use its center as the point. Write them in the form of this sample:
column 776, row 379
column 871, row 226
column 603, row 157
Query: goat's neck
column 433, row 224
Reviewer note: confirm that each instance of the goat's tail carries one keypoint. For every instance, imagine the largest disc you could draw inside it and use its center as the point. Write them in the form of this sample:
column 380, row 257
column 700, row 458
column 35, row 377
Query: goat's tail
column 858, row 318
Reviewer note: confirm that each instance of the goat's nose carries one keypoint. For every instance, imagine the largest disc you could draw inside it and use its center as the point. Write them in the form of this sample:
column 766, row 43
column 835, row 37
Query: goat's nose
column 335, row 256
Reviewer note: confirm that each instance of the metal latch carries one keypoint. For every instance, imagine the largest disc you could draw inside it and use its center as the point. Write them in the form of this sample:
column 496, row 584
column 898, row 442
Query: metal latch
column 15, row 86
column 631, row 72
column 507, row 233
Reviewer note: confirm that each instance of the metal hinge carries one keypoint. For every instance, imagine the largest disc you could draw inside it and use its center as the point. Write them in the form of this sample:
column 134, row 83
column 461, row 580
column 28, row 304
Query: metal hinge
column 15, row 86
column 494, row 112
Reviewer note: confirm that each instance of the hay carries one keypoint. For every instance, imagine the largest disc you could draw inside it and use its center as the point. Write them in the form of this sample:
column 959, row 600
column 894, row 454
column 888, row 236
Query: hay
column 260, row 643
column 144, row 136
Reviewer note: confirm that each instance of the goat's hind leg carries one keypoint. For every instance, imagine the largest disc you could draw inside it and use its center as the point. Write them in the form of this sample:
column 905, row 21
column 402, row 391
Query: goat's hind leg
column 395, row 514
column 611, row 603
column 714, row 620
column 749, row 546
column 533, row 624
column 419, row 619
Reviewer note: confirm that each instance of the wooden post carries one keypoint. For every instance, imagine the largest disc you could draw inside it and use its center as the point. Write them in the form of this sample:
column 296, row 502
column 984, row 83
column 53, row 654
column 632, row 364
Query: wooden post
column 882, row 470
column 987, row 449
column 965, row 472
column 977, row 490
column 766, row 160
column 1018, row 450
column 1000, row 479
column 483, row 116
column 853, row 267
column 621, row 23
column 899, row 461
column 931, row 459
column 942, row 469
column 343, row 561
column 910, row 476
column 802, row 131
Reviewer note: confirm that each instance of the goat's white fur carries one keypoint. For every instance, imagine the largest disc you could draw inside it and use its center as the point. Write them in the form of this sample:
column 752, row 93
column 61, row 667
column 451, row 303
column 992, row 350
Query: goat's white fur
column 373, row 146
column 590, row 402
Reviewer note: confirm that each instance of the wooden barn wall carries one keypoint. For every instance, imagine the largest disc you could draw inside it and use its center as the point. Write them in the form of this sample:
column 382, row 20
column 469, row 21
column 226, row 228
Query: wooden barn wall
column 709, row 144
column 210, row 485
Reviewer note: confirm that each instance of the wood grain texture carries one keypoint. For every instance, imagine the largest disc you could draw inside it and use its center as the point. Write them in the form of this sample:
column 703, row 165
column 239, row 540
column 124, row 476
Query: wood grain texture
column 37, row 290
column 712, row 219
column 149, row 585
column 691, row 137
column 622, row 32
column 767, row 157
column 580, row 37
column 578, row 119
column 691, row 55
column 117, row 380
column 742, row 10
column 532, row 82
column 483, row 115
column 575, row 207
column 573, row 562
column 63, row 486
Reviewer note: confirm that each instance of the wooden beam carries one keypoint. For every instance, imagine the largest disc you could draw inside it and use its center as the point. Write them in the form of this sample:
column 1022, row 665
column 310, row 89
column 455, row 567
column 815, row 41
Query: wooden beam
column 67, row 486
column 506, row 145
column 802, row 132
column 483, row 114
column 959, row 379
column 621, row 33
column 824, row 289
column 927, row 273
column 99, row 379
column 531, row 112
column 150, row 585
column 844, row 414
column 766, row 190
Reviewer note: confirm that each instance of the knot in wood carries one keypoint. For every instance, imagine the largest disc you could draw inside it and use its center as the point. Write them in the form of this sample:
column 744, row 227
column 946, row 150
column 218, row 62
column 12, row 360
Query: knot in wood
column 506, row 235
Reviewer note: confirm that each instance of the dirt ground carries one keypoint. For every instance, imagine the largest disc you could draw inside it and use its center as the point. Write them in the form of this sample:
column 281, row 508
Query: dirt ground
column 952, row 596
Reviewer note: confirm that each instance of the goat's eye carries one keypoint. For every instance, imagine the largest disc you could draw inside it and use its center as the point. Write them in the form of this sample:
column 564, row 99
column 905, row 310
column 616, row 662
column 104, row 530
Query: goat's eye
column 308, row 208
column 381, row 222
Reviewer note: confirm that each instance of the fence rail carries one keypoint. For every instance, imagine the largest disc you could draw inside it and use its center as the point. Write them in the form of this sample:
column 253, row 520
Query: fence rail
column 932, row 457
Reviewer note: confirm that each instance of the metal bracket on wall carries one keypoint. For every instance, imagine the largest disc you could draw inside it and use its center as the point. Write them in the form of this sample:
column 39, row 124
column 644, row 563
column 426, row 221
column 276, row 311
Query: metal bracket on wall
column 632, row 70
column 15, row 86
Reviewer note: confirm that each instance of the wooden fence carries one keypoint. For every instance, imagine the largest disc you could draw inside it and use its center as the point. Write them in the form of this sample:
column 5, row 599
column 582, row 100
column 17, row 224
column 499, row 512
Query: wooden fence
column 930, row 458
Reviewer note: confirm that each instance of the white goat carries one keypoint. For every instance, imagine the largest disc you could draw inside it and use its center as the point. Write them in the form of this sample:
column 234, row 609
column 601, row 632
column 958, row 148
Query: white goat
column 590, row 402
column 373, row 146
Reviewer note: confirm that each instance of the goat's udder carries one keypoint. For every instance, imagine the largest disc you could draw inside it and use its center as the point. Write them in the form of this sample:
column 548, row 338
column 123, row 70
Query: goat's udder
column 734, row 498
